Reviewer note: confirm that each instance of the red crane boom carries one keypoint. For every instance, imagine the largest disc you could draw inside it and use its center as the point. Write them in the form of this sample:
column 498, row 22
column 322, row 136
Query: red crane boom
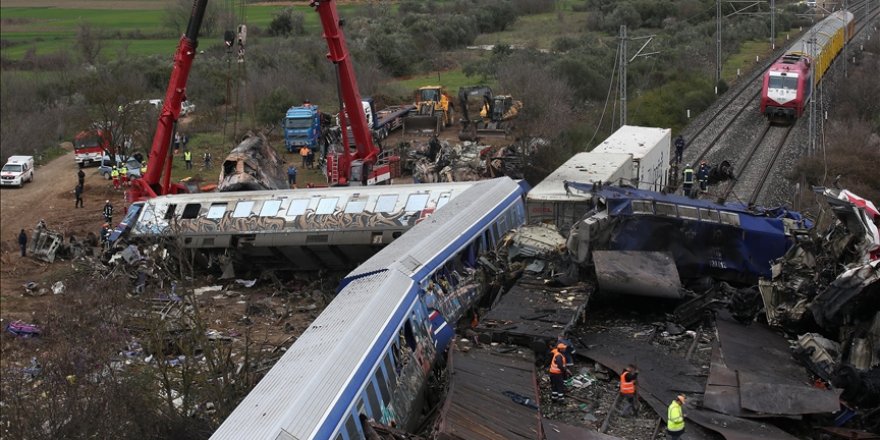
column 157, row 180
column 339, row 165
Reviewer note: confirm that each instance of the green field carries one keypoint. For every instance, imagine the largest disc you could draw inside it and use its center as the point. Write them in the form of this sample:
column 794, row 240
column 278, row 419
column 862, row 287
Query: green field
column 532, row 30
column 51, row 29
column 451, row 79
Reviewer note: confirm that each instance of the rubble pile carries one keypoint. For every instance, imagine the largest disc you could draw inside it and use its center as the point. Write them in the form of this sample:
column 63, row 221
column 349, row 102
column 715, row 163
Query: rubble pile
column 440, row 161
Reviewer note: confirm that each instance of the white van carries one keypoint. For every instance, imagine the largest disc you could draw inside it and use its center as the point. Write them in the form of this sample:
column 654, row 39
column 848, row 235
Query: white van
column 17, row 171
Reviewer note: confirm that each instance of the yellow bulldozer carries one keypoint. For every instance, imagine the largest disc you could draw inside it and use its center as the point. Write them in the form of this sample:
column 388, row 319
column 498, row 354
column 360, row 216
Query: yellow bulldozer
column 496, row 113
column 434, row 110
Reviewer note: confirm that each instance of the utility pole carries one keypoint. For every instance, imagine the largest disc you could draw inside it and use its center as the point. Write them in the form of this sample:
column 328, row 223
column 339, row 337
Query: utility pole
column 845, row 37
column 624, row 59
column 717, row 42
column 772, row 24
column 813, row 109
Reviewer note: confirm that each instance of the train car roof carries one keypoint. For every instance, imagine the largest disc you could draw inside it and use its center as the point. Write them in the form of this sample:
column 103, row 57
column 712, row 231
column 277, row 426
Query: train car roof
column 306, row 192
column 444, row 228
column 315, row 378
column 825, row 29
column 633, row 139
column 582, row 167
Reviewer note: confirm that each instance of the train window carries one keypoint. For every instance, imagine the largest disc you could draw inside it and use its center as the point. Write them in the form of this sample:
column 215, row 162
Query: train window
column 356, row 206
column 270, row 208
column 666, row 209
column 351, row 428
column 730, row 218
column 389, row 368
column 243, row 209
column 169, row 213
column 375, row 407
column 191, row 210
column 416, row 202
column 708, row 215
column 386, row 203
column 217, row 210
column 444, row 199
column 502, row 223
column 339, row 437
column 298, row 207
column 409, row 336
column 688, row 212
column 642, row 207
column 382, row 381
column 208, row 242
column 327, row 206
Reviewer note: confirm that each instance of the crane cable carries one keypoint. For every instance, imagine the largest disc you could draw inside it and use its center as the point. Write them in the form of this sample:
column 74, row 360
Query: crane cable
column 607, row 96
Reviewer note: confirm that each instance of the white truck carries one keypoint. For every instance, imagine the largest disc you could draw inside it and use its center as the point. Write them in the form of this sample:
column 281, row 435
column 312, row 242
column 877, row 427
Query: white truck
column 17, row 171
column 649, row 148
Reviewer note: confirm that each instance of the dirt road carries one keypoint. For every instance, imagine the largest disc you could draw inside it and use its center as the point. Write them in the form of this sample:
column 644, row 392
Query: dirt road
column 49, row 197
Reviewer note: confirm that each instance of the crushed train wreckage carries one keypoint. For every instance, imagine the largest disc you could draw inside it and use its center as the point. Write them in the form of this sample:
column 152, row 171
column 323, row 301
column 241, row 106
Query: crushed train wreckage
column 252, row 165
column 440, row 161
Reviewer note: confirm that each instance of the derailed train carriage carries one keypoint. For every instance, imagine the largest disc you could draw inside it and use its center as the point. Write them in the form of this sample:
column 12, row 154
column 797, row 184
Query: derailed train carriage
column 305, row 229
column 372, row 349
column 788, row 82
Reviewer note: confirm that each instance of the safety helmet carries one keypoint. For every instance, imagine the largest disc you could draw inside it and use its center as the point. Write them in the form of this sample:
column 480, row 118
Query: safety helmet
column 680, row 398
column 106, row 225
column 561, row 346
column 687, row 166
column 107, row 201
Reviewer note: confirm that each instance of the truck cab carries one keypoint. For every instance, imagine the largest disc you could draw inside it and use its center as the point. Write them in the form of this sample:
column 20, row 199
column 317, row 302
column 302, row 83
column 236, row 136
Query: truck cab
column 17, row 171
column 302, row 127
column 89, row 146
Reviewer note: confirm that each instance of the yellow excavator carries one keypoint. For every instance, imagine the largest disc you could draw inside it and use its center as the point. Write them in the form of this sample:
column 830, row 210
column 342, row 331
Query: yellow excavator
column 496, row 113
column 434, row 110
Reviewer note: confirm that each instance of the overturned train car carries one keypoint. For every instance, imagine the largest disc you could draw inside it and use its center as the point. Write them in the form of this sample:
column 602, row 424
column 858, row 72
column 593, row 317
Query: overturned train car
column 727, row 242
column 306, row 229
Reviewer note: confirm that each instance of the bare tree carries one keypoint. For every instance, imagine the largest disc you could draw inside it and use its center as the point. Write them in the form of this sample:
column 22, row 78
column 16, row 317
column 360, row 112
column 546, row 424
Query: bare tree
column 177, row 13
column 88, row 41
column 111, row 98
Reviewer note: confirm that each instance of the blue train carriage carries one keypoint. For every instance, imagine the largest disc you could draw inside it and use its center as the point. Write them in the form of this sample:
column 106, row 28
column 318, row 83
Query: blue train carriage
column 372, row 349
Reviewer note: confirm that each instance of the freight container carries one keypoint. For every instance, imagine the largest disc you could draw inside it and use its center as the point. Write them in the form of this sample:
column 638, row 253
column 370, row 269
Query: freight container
column 649, row 148
column 551, row 202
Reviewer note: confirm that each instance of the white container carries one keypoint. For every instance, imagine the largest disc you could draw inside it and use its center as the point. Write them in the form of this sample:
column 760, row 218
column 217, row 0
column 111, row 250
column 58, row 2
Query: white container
column 649, row 148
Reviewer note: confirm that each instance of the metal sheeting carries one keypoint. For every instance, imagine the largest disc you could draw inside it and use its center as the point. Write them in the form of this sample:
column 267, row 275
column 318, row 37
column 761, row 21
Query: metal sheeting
column 637, row 273
column 768, row 381
column 476, row 407
column 530, row 310
column 299, row 390
column 555, row 430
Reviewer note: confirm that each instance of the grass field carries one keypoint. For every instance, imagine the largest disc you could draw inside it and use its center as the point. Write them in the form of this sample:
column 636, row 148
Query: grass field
column 744, row 59
column 50, row 29
column 532, row 30
column 451, row 79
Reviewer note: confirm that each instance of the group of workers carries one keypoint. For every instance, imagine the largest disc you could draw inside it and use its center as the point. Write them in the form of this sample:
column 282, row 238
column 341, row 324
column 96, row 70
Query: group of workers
column 120, row 175
column 561, row 361
column 308, row 157
column 701, row 175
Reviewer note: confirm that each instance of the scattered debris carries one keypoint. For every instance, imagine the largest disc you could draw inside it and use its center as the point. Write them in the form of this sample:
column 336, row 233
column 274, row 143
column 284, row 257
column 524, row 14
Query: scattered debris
column 23, row 330
column 253, row 165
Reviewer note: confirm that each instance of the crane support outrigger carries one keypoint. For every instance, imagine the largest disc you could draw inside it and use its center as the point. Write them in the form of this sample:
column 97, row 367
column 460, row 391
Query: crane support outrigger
column 369, row 165
column 157, row 180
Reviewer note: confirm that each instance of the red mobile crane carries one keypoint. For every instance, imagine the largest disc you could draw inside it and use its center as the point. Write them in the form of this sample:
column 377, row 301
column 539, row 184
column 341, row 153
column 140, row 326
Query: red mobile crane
column 157, row 181
column 368, row 165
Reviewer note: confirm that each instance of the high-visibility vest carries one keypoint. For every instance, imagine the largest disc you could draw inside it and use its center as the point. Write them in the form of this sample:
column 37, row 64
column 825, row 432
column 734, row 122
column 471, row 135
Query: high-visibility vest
column 554, row 368
column 674, row 417
column 144, row 170
column 304, row 151
column 689, row 175
column 187, row 155
column 626, row 387
column 114, row 173
column 123, row 171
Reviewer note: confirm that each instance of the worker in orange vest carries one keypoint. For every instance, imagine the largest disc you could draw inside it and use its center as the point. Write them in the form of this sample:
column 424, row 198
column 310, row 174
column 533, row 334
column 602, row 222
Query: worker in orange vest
column 558, row 371
column 628, row 390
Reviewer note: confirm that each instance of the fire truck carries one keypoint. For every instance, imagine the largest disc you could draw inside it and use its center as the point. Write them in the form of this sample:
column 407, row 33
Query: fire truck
column 89, row 146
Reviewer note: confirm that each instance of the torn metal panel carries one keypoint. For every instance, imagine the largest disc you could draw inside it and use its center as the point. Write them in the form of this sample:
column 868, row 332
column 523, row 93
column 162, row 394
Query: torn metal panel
column 44, row 244
column 535, row 241
column 476, row 406
column 851, row 434
column 662, row 377
column 531, row 310
column 858, row 281
column 858, row 215
column 555, row 430
column 253, row 165
column 722, row 387
column 769, row 381
column 637, row 273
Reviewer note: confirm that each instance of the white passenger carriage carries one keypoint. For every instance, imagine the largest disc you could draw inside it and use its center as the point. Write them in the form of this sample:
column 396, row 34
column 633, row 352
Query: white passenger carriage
column 371, row 350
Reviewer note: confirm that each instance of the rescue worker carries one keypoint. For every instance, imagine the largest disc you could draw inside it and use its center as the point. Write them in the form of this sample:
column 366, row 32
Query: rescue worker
column 105, row 234
column 207, row 158
column 78, row 192
column 310, row 159
column 568, row 352
column 557, row 373
column 679, row 148
column 291, row 176
column 687, row 180
column 81, row 177
column 143, row 170
column 123, row 175
column 304, row 153
column 22, row 242
column 675, row 419
column 628, row 390
column 114, row 174
column 703, row 176
column 108, row 212
column 188, row 158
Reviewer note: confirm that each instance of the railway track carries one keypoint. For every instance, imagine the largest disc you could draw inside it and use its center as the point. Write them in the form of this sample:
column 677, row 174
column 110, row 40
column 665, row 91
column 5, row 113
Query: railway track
column 769, row 137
